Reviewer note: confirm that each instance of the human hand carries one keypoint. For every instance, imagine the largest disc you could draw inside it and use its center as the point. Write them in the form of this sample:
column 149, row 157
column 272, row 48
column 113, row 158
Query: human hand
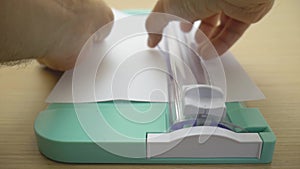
column 51, row 31
column 222, row 21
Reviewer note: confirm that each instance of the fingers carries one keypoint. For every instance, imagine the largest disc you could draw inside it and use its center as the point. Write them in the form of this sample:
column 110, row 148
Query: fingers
column 186, row 27
column 209, row 25
column 217, row 30
column 219, row 38
column 209, row 28
column 62, row 64
column 246, row 11
column 154, row 39
column 155, row 25
column 231, row 32
column 159, row 19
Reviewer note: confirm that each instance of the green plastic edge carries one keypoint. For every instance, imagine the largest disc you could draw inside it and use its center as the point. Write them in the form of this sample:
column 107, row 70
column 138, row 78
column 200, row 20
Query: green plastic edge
column 83, row 150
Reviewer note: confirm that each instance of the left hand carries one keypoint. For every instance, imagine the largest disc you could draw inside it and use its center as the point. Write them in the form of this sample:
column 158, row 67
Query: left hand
column 74, row 22
column 51, row 31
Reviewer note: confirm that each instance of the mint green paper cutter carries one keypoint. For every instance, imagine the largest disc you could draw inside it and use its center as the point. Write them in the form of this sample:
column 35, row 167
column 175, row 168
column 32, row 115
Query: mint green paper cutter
column 61, row 137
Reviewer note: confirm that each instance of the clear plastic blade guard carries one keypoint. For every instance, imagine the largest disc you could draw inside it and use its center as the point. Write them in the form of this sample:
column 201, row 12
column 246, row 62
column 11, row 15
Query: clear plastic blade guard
column 196, row 86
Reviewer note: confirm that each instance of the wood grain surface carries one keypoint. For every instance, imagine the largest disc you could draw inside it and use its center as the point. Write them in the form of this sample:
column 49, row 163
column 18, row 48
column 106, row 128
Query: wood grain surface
column 269, row 52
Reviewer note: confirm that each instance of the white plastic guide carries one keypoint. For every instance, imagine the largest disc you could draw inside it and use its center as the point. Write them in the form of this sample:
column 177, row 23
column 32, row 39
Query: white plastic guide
column 222, row 143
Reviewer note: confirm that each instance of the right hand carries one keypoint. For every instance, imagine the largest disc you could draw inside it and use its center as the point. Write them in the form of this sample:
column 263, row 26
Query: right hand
column 223, row 21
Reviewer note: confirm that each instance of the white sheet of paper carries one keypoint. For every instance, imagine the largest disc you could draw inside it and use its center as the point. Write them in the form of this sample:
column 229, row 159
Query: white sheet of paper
column 132, row 71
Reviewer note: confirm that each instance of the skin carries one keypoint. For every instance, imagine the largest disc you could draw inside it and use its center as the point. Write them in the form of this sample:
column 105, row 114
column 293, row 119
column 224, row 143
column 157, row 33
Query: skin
column 54, row 31
column 51, row 31
column 222, row 21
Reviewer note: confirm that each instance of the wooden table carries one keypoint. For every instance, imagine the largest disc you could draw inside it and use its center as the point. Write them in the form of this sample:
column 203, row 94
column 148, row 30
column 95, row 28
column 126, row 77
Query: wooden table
column 269, row 52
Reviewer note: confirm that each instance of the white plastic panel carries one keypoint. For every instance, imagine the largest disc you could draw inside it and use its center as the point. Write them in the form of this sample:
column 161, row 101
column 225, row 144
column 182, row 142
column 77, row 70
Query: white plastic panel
column 203, row 142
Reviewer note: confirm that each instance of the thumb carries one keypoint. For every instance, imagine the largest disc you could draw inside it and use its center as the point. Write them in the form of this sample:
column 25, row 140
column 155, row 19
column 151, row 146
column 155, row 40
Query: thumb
column 159, row 19
column 155, row 24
